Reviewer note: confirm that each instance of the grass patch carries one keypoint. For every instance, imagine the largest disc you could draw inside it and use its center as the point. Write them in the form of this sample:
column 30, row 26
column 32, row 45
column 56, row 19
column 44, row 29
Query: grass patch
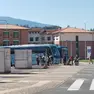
column 85, row 60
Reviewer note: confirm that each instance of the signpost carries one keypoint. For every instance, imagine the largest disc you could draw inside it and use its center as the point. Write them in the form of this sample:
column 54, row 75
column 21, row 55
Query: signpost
column 88, row 51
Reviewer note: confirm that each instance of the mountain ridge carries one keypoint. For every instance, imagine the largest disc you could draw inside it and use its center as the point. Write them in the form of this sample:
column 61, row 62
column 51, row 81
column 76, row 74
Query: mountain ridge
column 21, row 22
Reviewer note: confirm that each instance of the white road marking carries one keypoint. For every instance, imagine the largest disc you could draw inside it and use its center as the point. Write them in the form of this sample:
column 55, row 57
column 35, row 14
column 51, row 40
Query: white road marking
column 85, row 74
column 39, row 84
column 6, row 80
column 17, row 75
column 80, row 78
column 92, row 85
column 76, row 85
column 24, row 81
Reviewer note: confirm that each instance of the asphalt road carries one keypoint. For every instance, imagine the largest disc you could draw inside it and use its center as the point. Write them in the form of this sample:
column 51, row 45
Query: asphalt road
column 43, row 81
column 80, row 83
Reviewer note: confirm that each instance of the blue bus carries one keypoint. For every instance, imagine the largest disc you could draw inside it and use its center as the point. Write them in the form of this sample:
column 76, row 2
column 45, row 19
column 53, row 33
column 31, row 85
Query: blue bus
column 37, row 49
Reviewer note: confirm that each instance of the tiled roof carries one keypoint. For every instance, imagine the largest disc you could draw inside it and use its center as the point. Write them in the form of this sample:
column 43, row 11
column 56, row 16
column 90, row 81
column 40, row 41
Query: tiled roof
column 35, row 29
column 50, row 31
column 4, row 26
column 40, row 29
column 72, row 30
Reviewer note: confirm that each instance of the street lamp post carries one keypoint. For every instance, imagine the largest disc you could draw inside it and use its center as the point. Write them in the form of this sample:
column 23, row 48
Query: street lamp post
column 92, row 44
column 59, row 39
column 5, row 22
column 85, row 49
column 70, row 46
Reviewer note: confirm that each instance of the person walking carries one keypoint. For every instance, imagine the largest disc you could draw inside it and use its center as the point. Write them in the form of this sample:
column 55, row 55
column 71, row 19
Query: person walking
column 76, row 60
column 90, row 59
column 38, row 60
column 71, row 60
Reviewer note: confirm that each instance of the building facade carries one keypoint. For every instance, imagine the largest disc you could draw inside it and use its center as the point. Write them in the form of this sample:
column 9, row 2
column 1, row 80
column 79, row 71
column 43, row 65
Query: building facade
column 77, row 41
column 40, row 36
column 13, row 35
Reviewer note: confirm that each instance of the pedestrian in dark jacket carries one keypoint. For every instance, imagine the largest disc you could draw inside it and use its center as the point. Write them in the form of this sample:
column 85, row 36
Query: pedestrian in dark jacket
column 72, row 58
column 64, row 59
column 38, row 60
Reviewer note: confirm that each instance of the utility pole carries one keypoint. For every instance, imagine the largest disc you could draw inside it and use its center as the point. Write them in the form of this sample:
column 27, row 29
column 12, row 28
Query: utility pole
column 59, row 39
column 66, row 43
column 85, row 43
column 71, row 48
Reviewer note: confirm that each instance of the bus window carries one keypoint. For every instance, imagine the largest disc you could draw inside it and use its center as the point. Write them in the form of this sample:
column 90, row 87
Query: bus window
column 49, row 52
column 55, row 51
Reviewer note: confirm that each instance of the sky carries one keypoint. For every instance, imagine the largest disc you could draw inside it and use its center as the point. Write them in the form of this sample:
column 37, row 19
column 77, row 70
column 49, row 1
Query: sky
column 75, row 13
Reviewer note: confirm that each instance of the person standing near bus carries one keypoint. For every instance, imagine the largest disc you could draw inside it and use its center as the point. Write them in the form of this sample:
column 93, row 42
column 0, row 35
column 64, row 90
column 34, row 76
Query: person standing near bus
column 43, row 59
column 38, row 60
column 72, row 58
column 64, row 59
column 49, row 60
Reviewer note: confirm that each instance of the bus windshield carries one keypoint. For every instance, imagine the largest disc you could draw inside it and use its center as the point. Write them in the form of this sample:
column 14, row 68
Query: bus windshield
column 65, row 51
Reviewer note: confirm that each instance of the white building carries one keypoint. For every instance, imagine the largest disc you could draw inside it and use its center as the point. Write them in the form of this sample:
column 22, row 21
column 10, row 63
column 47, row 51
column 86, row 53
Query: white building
column 37, row 35
column 77, row 40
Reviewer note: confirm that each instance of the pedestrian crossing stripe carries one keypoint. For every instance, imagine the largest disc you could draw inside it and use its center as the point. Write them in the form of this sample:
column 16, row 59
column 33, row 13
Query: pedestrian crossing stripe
column 92, row 85
column 78, row 83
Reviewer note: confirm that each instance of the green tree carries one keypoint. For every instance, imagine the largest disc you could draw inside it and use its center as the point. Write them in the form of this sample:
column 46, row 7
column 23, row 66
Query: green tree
column 91, row 29
column 51, row 27
column 68, row 25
